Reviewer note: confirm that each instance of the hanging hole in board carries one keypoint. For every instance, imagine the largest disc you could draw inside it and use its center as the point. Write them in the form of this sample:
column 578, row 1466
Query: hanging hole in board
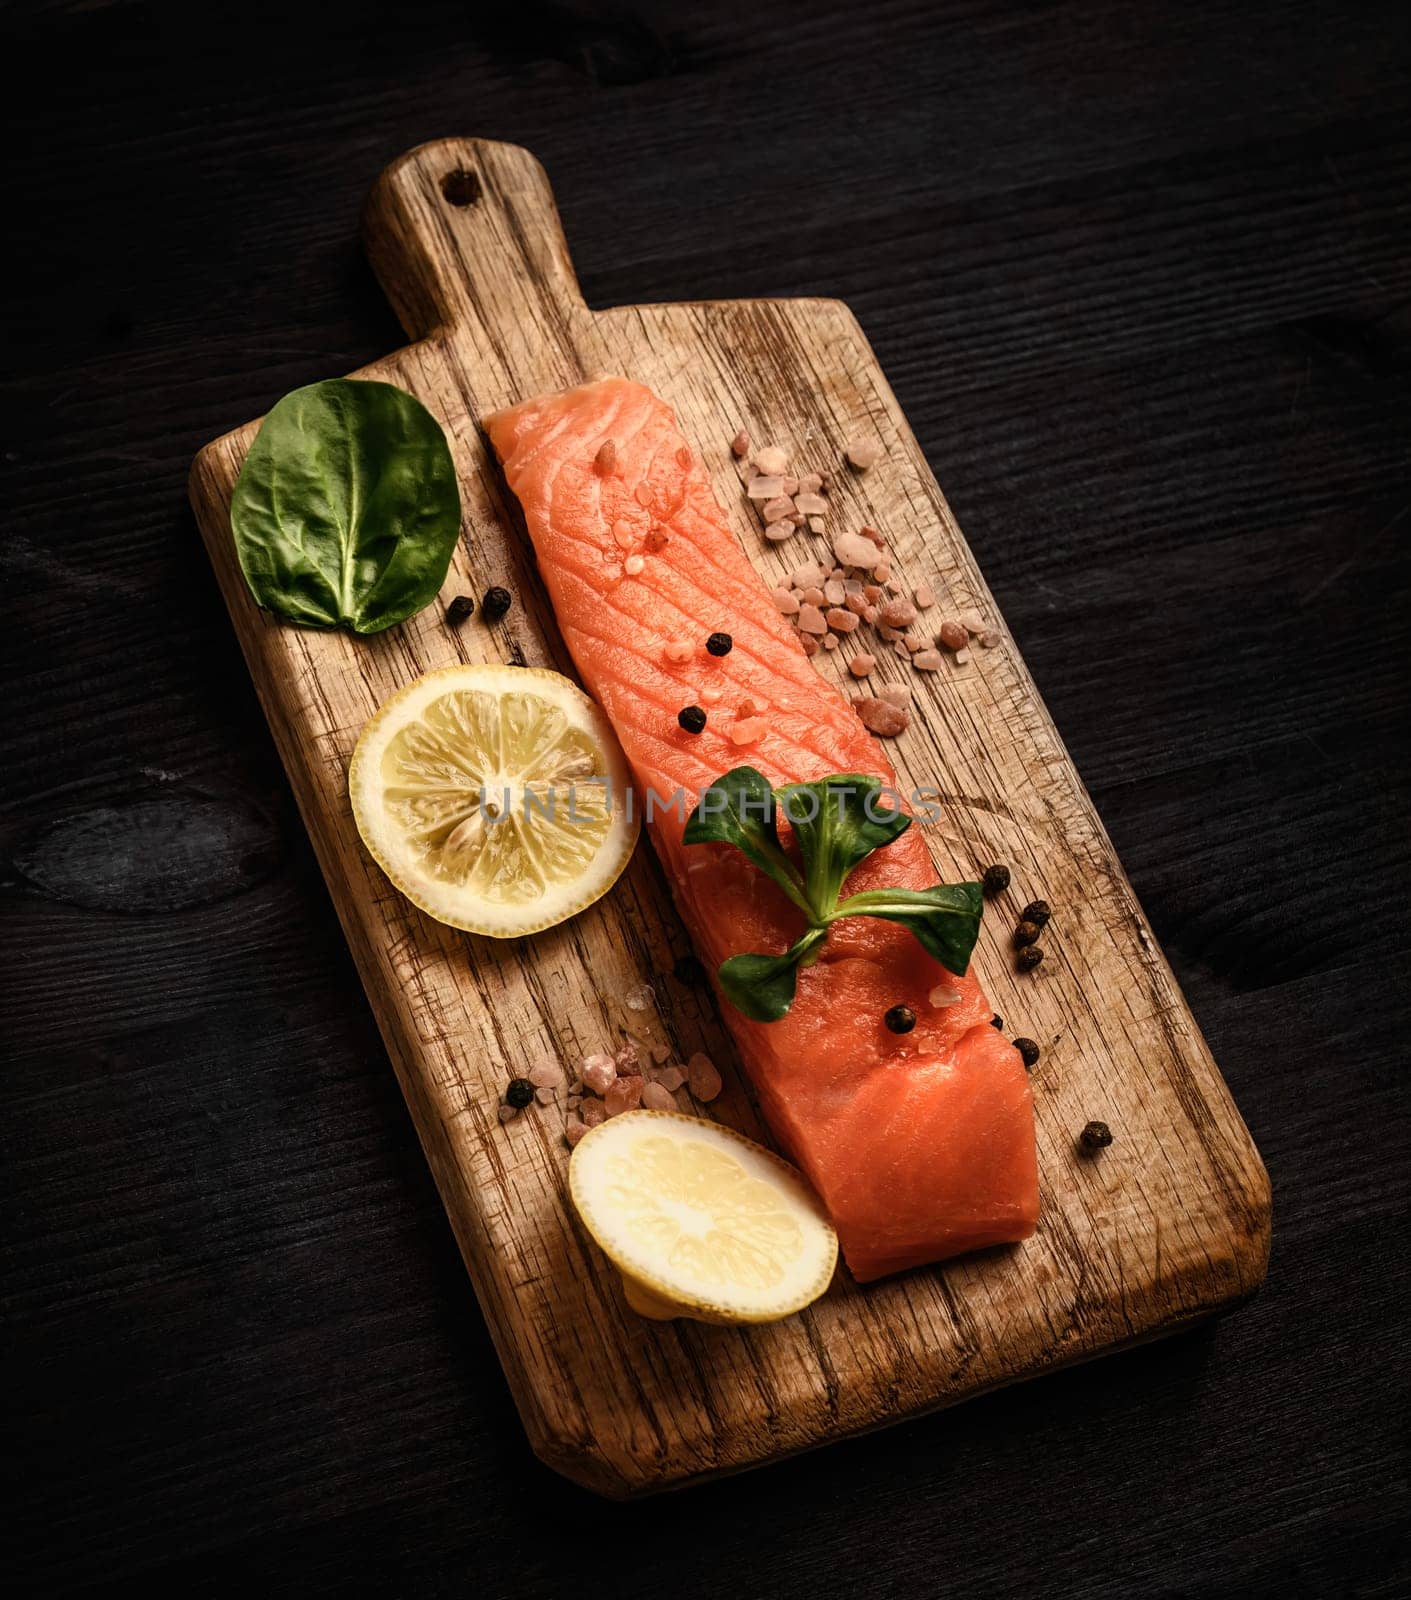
column 461, row 188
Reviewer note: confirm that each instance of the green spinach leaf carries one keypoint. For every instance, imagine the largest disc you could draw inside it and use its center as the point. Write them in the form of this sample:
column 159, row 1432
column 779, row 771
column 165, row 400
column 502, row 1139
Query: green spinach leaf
column 346, row 512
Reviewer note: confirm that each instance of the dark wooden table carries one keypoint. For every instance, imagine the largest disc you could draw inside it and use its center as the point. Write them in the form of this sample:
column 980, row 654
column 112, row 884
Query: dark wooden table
column 1141, row 279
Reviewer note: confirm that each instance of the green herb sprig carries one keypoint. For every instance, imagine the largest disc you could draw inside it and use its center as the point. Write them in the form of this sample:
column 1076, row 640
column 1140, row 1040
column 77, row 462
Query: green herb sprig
column 838, row 822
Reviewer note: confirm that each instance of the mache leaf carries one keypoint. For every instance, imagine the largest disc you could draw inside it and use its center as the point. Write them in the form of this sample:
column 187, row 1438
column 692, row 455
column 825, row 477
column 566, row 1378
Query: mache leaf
column 945, row 918
column 738, row 809
column 838, row 821
column 763, row 987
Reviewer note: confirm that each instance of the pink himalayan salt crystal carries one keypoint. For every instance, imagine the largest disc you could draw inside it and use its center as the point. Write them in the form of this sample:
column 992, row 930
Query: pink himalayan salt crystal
column 841, row 621
column 852, row 550
column 545, row 1096
column 834, row 592
column 747, row 730
column 702, row 1076
column 863, row 453
column 989, row 638
column 625, row 1060
column 791, row 485
column 897, row 613
column 508, row 1113
column 972, row 622
column 625, row 1095
column 830, row 642
column 740, row 445
column 872, row 592
column 943, row 995
column 660, row 1052
column 573, row 1130
column 814, row 596
column 895, row 586
column 897, row 693
column 777, row 509
column 862, row 665
column 815, row 524
column 952, row 635
column 599, row 1072
column 902, row 649
column 869, row 613
column 633, row 565
column 777, row 532
column 913, row 644
column 811, row 619
column 768, row 486
column 882, row 717
column 811, row 646
column 927, row 661
column 809, row 573
column 678, row 650
column 869, row 532
column 787, row 601
column 812, row 505
column 855, row 603
column 882, row 571
column 671, row 1079
column 656, row 1098
column 961, row 657
column 547, row 1075
column 925, row 596
column 640, row 997
column 593, row 1112
column 709, row 694
column 771, row 461
column 811, row 482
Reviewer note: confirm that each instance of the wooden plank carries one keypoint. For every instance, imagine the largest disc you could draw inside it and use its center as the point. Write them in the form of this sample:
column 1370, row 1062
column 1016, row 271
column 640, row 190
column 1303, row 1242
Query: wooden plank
column 1170, row 1225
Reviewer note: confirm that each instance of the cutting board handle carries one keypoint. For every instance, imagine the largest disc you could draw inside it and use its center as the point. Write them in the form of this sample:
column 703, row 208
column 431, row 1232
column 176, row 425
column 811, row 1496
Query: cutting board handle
column 466, row 241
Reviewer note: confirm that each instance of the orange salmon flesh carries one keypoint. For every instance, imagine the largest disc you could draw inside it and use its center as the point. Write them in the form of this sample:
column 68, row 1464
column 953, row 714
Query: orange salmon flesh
column 921, row 1145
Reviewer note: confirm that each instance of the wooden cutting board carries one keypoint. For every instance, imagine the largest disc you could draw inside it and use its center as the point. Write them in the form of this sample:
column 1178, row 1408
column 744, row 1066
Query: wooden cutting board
column 1168, row 1225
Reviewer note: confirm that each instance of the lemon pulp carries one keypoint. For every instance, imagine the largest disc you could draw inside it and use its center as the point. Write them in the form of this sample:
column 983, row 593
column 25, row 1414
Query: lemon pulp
column 494, row 797
column 700, row 1221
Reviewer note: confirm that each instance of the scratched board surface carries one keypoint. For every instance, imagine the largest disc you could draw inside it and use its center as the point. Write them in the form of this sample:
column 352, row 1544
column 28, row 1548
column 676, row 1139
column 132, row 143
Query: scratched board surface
column 1171, row 1224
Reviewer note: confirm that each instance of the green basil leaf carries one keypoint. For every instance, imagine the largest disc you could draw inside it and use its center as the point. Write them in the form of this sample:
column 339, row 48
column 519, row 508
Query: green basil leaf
column 838, row 822
column 763, row 986
column 346, row 512
column 946, row 918
column 738, row 809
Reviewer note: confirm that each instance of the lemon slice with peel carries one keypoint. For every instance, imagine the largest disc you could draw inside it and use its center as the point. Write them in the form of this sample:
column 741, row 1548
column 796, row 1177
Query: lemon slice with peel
column 494, row 797
column 700, row 1221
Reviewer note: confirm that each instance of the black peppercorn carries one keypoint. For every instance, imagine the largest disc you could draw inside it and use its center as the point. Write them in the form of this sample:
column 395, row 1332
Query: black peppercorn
column 1096, row 1136
column 519, row 1093
column 1028, row 1052
column 496, row 602
column 689, row 971
column 1038, row 912
column 900, row 1019
column 720, row 644
column 997, row 1022
column 691, row 718
column 1028, row 958
column 1026, row 933
column 996, row 880
column 459, row 609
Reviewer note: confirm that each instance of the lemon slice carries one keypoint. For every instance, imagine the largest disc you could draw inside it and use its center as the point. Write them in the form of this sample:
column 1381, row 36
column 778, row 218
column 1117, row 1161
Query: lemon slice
column 700, row 1221
column 494, row 797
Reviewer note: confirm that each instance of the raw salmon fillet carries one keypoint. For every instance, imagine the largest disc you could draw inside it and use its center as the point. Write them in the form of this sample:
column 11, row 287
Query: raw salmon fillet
column 921, row 1145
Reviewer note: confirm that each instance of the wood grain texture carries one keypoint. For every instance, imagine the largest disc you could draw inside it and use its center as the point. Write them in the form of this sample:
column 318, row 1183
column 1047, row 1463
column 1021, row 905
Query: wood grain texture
column 1170, row 1225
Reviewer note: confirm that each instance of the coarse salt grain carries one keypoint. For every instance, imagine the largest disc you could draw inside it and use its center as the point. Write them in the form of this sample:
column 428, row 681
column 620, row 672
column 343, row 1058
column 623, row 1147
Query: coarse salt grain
column 740, row 445
column 671, row 1079
column 901, row 647
column 872, row 592
column 961, row 657
column 678, row 650
column 777, row 509
column 747, row 730
column 869, row 532
column 547, row 1075
column 633, row 565
column 972, row 622
column 881, row 716
column 925, row 596
column 811, row 646
column 791, row 484
column 861, row 666
column 655, row 1098
column 927, row 661
column 815, row 524
column 776, row 532
column 811, row 619
column 943, row 995
column 599, row 1072
column 811, row 482
column 702, row 1076
column 833, row 592
column 895, row 586
column 812, row 505
column 869, row 614
column 852, row 550
column 787, row 601
column 896, row 693
column 952, row 635
column 708, row 694
column 573, row 1130
column 660, row 1052
column 625, row 1095
column 771, row 461
column 612, row 573
column 855, row 603
column 640, row 997
column 814, row 596
column 592, row 1112
column 830, row 641
column 897, row 613
column 809, row 573
column 508, row 1113
column 863, row 453
column 882, row 571
column 989, row 639
column 545, row 1096
column 841, row 621
column 764, row 488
